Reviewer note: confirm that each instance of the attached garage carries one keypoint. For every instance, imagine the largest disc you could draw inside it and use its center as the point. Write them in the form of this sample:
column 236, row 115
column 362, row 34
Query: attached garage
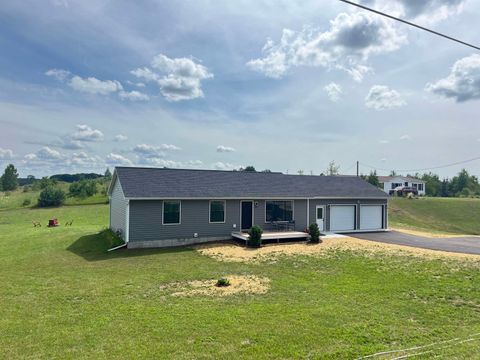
column 371, row 217
column 342, row 217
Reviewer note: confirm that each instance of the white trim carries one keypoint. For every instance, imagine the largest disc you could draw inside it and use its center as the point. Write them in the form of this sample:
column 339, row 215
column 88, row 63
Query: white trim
column 110, row 211
column 265, row 212
column 386, row 197
column 127, row 223
column 224, row 212
column 179, row 213
column 253, row 212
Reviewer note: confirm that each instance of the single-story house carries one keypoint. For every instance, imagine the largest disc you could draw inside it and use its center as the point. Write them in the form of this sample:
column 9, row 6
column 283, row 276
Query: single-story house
column 160, row 207
column 388, row 183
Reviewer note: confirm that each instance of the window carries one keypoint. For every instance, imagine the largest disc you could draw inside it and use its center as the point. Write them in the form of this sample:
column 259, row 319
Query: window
column 278, row 211
column 420, row 187
column 217, row 211
column 406, row 183
column 395, row 185
column 171, row 212
column 319, row 213
column 415, row 186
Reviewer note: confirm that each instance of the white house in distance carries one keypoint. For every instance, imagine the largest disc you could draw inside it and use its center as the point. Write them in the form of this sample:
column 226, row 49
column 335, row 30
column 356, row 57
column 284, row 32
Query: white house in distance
column 388, row 183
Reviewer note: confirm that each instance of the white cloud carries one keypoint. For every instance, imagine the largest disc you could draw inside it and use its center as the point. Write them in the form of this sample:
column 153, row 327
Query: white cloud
column 423, row 11
column 148, row 151
column 225, row 166
column 6, row 154
column 224, row 149
column 133, row 96
column 92, row 85
column 120, row 138
column 145, row 73
column 382, row 97
column 82, row 159
column 384, row 141
column 347, row 45
column 117, row 160
column 169, row 147
column 191, row 164
column 58, row 74
column 334, row 91
column 86, row 133
column 178, row 78
column 463, row 83
column 46, row 153
column 405, row 137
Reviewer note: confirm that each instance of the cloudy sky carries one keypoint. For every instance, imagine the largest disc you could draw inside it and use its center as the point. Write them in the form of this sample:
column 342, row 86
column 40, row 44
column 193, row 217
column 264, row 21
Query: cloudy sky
column 283, row 85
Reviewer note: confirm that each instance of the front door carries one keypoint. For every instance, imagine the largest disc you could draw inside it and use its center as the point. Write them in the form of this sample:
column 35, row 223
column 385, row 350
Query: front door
column 320, row 216
column 247, row 215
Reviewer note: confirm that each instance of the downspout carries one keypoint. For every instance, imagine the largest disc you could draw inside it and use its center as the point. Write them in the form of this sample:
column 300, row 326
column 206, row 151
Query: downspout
column 127, row 225
column 117, row 247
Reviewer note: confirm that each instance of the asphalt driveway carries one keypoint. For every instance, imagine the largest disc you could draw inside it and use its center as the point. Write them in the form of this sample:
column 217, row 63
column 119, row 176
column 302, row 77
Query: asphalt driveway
column 465, row 245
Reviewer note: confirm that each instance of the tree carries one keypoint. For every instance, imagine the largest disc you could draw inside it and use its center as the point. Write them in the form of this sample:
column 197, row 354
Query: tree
column 373, row 178
column 393, row 173
column 433, row 184
column 300, row 172
column 333, row 168
column 249, row 168
column 9, row 178
column 83, row 188
column 51, row 196
column 108, row 174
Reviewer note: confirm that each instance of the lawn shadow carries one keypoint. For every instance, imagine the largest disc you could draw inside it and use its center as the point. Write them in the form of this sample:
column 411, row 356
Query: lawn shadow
column 94, row 247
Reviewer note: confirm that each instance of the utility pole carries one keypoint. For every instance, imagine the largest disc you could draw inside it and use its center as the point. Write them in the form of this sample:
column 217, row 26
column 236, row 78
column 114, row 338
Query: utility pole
column 357, row 167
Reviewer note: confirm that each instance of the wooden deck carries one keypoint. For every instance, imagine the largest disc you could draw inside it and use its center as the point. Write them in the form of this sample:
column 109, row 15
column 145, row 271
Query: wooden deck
column 272, row 235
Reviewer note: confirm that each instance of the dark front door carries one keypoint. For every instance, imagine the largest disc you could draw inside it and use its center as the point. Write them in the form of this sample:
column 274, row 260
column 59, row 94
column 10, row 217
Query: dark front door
column 247, row 213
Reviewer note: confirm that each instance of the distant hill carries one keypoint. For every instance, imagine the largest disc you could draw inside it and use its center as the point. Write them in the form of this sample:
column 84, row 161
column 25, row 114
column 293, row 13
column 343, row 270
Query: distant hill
column 69, row 178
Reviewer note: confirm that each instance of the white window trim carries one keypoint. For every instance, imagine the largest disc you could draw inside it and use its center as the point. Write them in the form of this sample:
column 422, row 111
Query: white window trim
column 179, row 212
column 224, row 212
column 293, row 209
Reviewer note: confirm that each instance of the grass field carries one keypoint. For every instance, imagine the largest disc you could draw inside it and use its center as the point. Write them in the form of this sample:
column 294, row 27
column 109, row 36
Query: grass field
column 451, row 215
column 64, row 297
column 15, row 199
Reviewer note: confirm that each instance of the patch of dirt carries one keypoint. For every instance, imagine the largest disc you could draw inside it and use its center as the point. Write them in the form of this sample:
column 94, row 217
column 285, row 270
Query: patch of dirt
column 239, row 284
column 430, row 234
column 237, row 253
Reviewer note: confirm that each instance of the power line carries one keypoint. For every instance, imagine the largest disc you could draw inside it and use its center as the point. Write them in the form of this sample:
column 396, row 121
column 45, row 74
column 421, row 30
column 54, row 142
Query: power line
column 425, row 169
column 410, row 23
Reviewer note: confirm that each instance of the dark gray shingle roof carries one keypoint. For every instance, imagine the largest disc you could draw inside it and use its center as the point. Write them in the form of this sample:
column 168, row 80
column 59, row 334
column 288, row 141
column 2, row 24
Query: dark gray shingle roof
column 185, row 183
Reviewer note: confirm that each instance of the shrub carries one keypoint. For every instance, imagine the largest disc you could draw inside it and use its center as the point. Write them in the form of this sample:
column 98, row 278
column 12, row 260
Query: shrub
column 83, row 189
column 314, row 232
column 222, row 282
column 51, row 196
column 410, row 196
column 26, row 202
column 255, row 239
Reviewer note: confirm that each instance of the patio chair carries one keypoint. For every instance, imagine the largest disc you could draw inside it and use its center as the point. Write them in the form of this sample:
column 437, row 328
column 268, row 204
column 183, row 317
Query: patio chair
column 69, row 223
column 36, row 223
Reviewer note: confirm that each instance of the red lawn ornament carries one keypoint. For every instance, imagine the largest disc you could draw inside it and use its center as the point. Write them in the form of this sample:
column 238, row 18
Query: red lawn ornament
column 53, row 222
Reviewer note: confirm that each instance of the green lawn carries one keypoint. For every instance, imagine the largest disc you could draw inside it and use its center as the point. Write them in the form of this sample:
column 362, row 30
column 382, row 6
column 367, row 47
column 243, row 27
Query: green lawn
column 453, row 215
column 64, row 297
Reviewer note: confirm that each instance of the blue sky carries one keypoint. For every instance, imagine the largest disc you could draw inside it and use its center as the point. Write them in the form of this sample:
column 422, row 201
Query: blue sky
column 283, row 85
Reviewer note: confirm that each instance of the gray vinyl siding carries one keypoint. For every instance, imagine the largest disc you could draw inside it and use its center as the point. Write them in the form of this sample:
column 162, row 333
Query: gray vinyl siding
column 314, row 203
column 146, row 221
column 118, row 209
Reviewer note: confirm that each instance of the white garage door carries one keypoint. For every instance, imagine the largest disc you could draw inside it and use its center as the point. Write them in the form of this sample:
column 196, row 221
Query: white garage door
column 342, row 218
column 371, row 217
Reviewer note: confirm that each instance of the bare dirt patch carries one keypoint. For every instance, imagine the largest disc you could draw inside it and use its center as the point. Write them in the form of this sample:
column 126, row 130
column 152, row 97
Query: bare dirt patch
column 237, row 253
column 239, row 284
